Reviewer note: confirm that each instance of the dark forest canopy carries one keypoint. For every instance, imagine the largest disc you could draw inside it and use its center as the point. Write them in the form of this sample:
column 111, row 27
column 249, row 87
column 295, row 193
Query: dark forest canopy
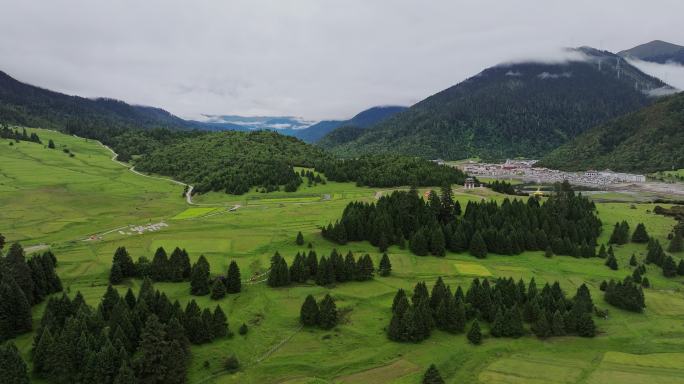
column 566, row 223
column 232, row 161
column 390, row 171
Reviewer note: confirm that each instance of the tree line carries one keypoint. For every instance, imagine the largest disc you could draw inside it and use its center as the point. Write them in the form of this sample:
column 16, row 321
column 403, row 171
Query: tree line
column 176, row 268
column 16, row 135
column 327, row 270
column 23, row 284
column 565, row 224
column 389, row 171
column 504, row 304
column 502, row 187
column 126, row 339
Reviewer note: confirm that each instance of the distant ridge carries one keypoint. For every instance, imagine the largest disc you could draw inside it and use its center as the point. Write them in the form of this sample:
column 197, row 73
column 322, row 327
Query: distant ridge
column 521, row 109
column 656, row 51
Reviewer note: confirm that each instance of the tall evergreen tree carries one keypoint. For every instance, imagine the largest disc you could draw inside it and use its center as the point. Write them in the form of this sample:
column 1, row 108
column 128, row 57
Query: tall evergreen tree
column 308, row 315
column 15, row 309
column 160, row 266
column 475, row 335
column 12, row 367
column 15, row 262
column 677, row 242
column 385, row 267
column 219, row 323
column 199, row 278
column 327, row 317
column 218, row 289
column 669, row 267
column 478, row 248
column 432, row 376
column 300, row 238
column 233, row 282
column 640, row 235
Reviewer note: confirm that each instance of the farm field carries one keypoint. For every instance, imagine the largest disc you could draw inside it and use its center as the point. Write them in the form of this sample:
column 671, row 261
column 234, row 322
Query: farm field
column 60, row 201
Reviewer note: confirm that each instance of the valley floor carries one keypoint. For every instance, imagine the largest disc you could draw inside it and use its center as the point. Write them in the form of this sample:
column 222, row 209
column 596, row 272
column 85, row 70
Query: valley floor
column 51, row 199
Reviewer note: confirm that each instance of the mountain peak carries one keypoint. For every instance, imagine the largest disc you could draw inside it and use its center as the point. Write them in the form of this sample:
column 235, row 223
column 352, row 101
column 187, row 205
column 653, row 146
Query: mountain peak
column 657, row 51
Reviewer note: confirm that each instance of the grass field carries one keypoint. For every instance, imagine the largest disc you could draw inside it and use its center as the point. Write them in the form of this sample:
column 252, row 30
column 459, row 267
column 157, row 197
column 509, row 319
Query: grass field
column 51, row 198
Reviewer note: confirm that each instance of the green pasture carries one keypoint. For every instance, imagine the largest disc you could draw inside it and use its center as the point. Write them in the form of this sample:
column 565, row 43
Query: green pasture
column 49, row 197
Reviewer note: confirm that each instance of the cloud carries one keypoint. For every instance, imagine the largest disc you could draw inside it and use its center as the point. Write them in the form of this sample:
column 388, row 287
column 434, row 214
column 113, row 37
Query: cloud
column 319, row 59
column 547, row 75
column 670, row 73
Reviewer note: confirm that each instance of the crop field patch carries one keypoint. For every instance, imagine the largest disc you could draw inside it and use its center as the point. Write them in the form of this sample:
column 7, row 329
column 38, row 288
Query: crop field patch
column 473, row 269
column 655, row 368
column 194, row 212
column 380, row 375
column 525, row 370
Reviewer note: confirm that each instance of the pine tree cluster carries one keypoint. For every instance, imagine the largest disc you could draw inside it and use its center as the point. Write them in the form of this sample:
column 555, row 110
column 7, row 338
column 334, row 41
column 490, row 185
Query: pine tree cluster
column 620, row 233
column 230, row 283
column 23, row 284
column 656, row 255
column 625, row 294
column 506, row 305
column 567, row 223
column 323, row 315
column 312, row 178
column 12, row 367
column 175, row 268
column 125, row 339
column 326, row 271
column 8, row 133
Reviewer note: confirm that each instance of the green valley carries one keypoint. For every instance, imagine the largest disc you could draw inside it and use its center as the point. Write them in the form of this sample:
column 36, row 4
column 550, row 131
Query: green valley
column 83, row 207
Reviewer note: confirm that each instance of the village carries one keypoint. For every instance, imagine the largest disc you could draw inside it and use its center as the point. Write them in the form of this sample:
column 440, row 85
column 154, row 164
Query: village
column 526, row 171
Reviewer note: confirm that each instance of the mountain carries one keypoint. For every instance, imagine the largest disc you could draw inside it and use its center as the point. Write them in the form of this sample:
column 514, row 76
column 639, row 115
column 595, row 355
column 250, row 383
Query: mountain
column 520, row 109
column 363, row 119
column 648, row 140
column 656, row 51
column 28, row 105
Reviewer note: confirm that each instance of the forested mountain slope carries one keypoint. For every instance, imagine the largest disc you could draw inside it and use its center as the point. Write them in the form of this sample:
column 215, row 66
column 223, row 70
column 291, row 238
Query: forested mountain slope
column 648, row 140
column 28, row 105
column 523, row 109
column 232, row 161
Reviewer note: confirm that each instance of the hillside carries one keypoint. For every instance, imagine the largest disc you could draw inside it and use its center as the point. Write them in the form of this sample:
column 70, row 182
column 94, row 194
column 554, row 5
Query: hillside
column 647, row 140
column 363, row 119
column 523, row 109
column 28, row 105
column 656, row 51
column 232, row 161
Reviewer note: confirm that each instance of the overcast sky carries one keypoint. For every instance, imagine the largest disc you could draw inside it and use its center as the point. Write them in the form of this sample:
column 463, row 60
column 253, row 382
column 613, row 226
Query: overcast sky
column 316, row 59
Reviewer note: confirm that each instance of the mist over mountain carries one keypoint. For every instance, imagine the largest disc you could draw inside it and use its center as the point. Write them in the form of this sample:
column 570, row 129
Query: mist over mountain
column 515, row 109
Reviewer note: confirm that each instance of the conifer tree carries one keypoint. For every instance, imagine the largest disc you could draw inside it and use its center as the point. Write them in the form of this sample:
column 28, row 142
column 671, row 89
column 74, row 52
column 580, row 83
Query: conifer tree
column 308, row 315
column 312, row 263
column 115, row 274
column 15, row 310
column 541, row 327
column 325, row 275
column 15, row 263
column 669, row 267
column 677, row 242
column 327, row 317
column 12, row 367
column 219, row 323
column 159, row 268
column 365, row 268
column 437, row 243
column 385, row 267
column 548, row 253
column 233, row 282
column 612, row 263
column 432, row 376
column 418, row 243
column 640, row 235
column 125, row 375
column 218, row 290
column 645, row 283
column 243, row 329
column 633, row 260
column 350, row 267
column 602, row 252
column 557, row 324
column 586, row 326
column 680, row 267
column 300, row 238
column 475, row 335
column 478, row 248
column 199, row 278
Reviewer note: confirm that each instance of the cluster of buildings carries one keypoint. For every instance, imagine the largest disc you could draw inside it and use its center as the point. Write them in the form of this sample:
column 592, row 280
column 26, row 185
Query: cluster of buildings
column 525, row 171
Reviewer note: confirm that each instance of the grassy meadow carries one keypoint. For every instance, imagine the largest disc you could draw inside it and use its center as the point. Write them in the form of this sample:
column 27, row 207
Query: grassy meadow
column 55, row 200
